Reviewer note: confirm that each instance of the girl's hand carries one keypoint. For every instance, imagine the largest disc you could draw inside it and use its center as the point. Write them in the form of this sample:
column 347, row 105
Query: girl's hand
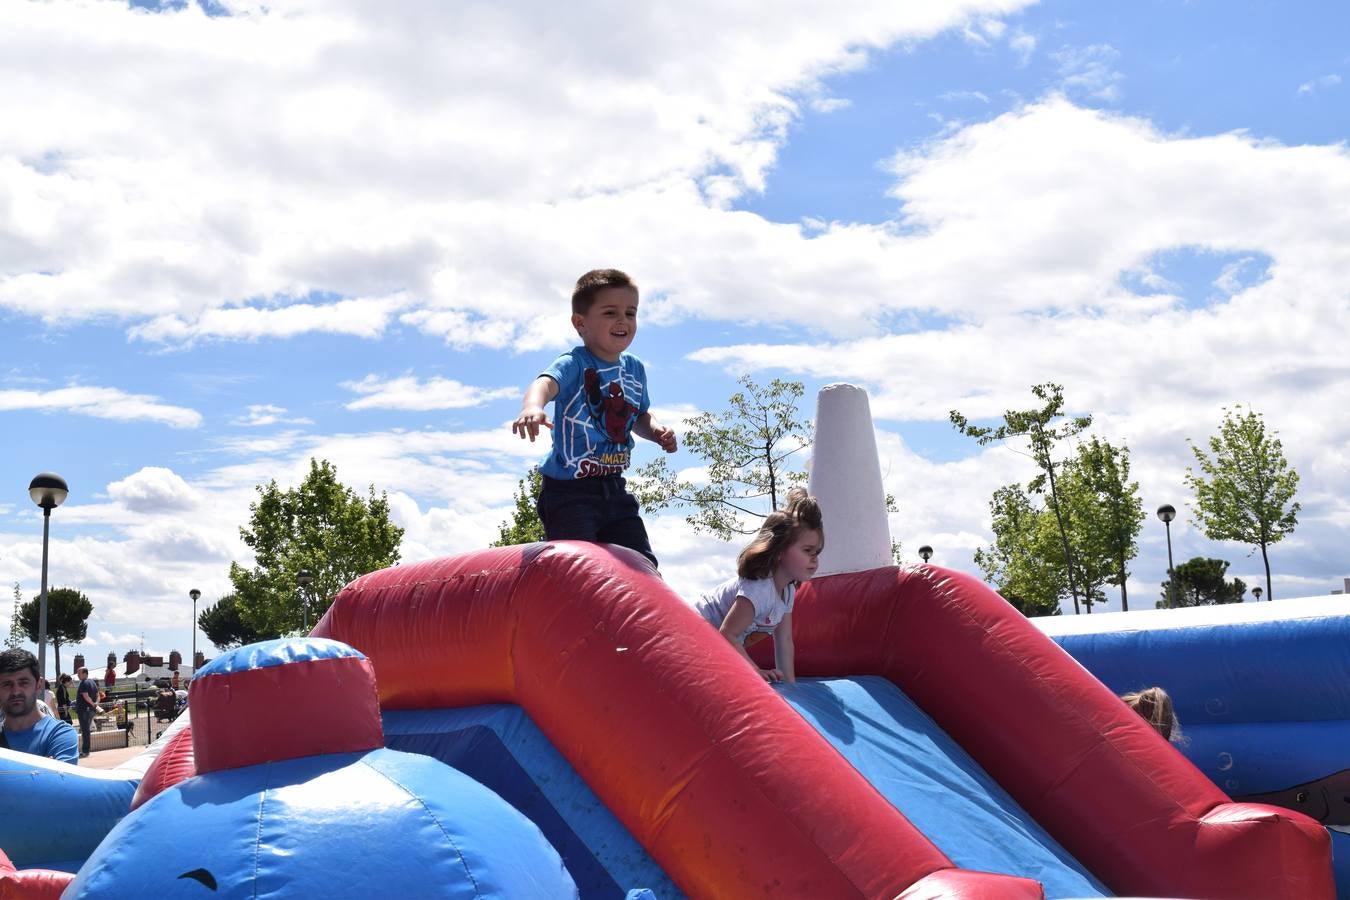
column 771, row 675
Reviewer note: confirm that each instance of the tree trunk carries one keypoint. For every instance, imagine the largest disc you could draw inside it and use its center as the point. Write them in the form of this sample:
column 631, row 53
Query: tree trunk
column 1124, row 598
column 1063, row 534
column 1270, row 595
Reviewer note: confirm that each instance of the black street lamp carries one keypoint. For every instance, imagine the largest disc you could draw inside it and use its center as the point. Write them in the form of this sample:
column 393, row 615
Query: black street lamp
column 1167, row 512
column 926, row 552
column 195, row 595
column 1257, row 592
column 305, row 578
column 48, row 491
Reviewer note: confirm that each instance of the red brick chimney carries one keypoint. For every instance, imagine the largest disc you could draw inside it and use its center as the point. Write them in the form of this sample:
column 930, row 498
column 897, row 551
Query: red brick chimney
column 175, row 660
column 133, row 661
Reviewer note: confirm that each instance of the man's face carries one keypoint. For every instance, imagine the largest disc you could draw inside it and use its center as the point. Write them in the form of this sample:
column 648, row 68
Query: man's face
column 18, row 691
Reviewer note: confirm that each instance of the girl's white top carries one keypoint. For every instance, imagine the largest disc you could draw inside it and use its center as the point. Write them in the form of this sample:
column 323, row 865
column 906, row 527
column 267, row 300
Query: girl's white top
column 763, row 596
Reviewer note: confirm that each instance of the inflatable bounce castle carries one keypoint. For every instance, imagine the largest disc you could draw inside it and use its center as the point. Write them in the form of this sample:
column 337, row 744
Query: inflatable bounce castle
column 552, row 720
column 1262, row 691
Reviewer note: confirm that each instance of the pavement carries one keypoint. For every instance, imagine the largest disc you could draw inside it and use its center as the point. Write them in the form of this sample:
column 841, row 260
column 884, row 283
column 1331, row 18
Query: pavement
column 110, row 759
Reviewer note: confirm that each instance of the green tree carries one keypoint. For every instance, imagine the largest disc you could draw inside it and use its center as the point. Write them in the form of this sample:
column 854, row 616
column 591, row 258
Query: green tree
column 1034, row 425
column 16, row 633
column 320, row 525
column 525, row 526
column 1200, row 582
column 1023, row 561
column 746, row 451
column 1106, row 516
column 68, row 612
column 1246, row 490
column 222, row 626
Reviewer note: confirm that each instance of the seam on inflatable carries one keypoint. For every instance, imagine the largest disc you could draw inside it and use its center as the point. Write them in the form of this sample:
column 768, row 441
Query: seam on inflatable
column 257, row 835
column 412, row 795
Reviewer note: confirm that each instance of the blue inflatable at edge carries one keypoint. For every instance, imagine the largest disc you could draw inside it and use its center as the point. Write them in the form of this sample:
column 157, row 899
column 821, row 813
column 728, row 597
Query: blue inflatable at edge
column 1262, row 691
column 297, row 797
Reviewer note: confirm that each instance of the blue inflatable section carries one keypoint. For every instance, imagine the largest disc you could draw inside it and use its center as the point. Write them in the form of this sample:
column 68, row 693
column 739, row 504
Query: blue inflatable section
column 1262, row 692
column 938, row 787
column 897, row 747
column 55, row 814
column 376, row 824
column 278, row 652
column 501, row 748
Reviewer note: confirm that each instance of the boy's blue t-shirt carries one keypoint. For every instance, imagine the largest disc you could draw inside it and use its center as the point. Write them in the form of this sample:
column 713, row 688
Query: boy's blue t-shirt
column 50, row 737
column 593, row 414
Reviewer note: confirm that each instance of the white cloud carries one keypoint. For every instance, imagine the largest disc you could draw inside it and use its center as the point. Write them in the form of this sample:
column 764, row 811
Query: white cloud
column 365, row 318
column 1323, row 81
column 263, row 414
column 101, row 403
column 407, row 392
column 979, row 96
column 1022, row 44
column 1090, row 72
column 154, row 489
column 398, row 146
column 829, row 104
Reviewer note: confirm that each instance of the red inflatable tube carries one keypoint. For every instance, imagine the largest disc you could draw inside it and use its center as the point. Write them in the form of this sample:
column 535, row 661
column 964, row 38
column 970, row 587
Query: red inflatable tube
column 1134, row 811
column 30, row 884
column 174, row 763
column 270, row 713
column 723, row 783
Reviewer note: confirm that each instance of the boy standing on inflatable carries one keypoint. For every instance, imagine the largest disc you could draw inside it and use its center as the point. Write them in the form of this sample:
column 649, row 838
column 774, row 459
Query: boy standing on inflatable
column 599, row 395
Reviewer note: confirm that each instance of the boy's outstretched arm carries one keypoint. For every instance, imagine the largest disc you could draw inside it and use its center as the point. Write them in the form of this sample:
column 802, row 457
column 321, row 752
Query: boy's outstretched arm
column 532, row 415
column 649, row 428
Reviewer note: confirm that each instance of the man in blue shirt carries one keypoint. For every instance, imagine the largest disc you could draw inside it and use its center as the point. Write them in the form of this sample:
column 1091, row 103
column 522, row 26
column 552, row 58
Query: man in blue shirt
column 24, row 727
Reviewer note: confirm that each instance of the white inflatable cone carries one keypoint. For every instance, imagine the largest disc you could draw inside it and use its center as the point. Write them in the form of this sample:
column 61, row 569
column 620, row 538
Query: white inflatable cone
column 846, row 480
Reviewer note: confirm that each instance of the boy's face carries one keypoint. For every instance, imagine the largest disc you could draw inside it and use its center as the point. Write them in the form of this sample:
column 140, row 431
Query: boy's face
column 608, row 327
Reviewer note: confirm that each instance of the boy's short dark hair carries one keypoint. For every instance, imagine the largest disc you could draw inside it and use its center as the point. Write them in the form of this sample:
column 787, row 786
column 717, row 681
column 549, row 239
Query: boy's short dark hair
column 595, row 281
column 16, row 660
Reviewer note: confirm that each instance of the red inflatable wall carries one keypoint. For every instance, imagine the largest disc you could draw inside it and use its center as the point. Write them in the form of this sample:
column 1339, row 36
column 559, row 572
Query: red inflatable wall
column 736, row 796
column 728, row 788
column 1129, row 807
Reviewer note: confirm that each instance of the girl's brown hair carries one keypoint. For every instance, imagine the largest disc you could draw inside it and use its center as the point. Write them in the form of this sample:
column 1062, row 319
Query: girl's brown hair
column 780, row 529
column 1155, row 707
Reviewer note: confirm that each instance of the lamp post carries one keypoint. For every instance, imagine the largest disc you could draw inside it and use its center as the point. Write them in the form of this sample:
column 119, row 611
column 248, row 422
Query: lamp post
column 1167, row 512
column 195, row 595
column 48, row 491
column 1257, row 592
column 305, row 578
column 926, row 552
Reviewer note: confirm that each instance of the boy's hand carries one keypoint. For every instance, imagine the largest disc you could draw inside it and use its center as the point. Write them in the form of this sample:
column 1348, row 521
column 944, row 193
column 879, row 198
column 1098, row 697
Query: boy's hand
column 771, row 675
column 665, row 437
column 528, row 422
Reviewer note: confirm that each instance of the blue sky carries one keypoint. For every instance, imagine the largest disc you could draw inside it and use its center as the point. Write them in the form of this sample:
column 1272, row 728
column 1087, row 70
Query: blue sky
column 232, row 242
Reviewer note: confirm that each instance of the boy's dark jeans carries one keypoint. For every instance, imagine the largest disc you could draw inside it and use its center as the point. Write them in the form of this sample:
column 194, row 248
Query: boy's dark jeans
column 593, row 509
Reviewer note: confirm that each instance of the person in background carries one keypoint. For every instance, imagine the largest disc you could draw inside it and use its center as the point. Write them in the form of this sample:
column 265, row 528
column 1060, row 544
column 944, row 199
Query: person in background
column 1155, row 707
column 86, row 707
column 24, row 727
column 63, row 697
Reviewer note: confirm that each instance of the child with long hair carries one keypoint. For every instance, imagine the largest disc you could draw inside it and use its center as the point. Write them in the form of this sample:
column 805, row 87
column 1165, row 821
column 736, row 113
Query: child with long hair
column 758, row 601
column 1155, row 707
